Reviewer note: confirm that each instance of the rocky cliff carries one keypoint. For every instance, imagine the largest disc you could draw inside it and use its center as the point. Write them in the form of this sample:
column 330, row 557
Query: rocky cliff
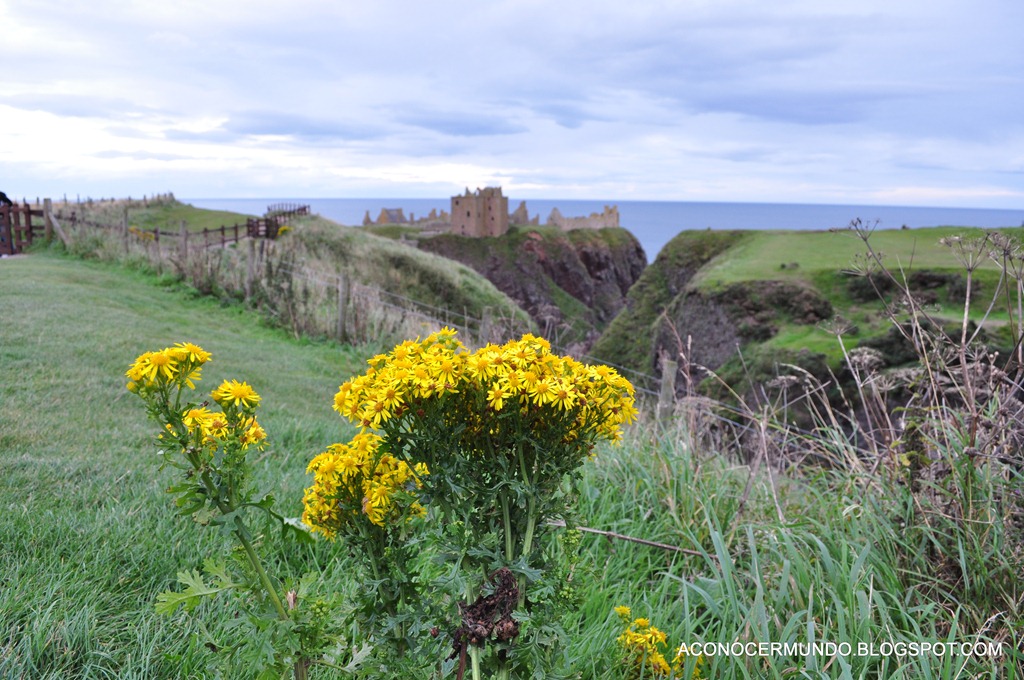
column 572, row 283
column 666, row 314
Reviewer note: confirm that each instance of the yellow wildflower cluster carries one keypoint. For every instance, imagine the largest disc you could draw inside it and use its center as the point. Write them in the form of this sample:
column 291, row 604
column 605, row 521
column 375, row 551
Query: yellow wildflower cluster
column 643, row 645
column 354, row 479
column 181, row 364
column 210, row 428
column 522, row 374
column 152, row 376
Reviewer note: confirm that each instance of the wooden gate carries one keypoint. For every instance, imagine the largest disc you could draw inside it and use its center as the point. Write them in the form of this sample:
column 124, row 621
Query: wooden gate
column 17, row 229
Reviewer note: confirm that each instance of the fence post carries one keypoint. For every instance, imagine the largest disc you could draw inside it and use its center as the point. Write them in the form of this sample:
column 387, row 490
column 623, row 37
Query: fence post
column 487, row 326
column 124, row 229
column 183, row 243
column 667, row 396
column 48, row 219
column 156, row 250
column 26, row 229
column 250, row 273
column 342, row 305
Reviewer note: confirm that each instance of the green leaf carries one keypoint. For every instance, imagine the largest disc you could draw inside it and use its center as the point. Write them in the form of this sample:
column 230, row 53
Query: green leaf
column 195, row 589
column 204, row 515
column 295, row 527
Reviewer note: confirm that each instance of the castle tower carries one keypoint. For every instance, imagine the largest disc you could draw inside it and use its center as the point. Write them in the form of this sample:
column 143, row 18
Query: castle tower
column 482, row 213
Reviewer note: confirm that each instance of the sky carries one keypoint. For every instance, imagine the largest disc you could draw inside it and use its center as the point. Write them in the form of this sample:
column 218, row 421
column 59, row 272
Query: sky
column 873, row 102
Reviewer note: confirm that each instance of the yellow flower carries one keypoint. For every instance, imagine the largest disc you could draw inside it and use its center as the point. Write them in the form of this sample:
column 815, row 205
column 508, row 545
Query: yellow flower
column 374, row 414
column 563, row 396
column 236, row 393
column 514, row 382
column 496, row 396
column 445, row 370
column 480, row 366
column 542, row 392
column 254, row 433
column 197, row 417
column 193, row 353
column 391, row 396
column 152, row 367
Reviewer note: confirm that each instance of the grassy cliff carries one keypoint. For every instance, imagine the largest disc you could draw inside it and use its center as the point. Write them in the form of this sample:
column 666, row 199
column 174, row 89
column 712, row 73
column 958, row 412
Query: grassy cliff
column 780, row 297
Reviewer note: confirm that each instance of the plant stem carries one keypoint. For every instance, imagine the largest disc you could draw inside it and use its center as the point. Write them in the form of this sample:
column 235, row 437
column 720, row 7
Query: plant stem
column 531, row 523
column 509, row 551
column 243, row 536
column 474, row 650
column 241, row 532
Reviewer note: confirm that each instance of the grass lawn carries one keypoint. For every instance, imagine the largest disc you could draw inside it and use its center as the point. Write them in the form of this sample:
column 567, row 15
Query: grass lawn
column 88, row 539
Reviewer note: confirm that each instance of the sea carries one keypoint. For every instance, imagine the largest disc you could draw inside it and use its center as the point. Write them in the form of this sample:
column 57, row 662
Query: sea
column 655, row 223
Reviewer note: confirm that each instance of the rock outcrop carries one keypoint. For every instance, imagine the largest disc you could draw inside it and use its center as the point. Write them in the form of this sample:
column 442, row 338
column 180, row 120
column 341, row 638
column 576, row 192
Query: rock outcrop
column 571, row 283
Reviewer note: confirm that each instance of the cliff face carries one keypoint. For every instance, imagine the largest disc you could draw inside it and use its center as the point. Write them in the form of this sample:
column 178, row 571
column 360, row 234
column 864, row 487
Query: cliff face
column 666, row 314
column 571, row 283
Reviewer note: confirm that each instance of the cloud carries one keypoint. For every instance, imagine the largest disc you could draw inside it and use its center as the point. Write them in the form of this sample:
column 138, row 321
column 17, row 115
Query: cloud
column 141, row 156
column 703, row 100
column 821, row 107
column 461, row 124
column 73, row 105
column 298, row 126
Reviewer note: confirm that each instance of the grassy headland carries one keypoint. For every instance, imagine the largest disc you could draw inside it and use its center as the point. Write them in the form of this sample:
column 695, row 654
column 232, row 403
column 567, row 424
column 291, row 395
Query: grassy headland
column 775, row 292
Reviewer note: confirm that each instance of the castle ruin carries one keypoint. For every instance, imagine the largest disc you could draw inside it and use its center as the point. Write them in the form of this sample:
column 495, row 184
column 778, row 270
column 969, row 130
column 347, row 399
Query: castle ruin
column 387, row 216
column 482, row 213
column 606, row 219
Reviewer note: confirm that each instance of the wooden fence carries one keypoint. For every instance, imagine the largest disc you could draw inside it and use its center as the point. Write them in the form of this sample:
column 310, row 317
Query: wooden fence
column 285, row 211
column 254, row 227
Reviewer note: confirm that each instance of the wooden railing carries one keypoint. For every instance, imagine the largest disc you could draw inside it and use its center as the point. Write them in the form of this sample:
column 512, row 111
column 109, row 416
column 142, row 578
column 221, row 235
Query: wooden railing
column 287, row 209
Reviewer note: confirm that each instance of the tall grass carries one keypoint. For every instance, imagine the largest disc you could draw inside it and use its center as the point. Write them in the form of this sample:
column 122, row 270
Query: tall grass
column 839, row 566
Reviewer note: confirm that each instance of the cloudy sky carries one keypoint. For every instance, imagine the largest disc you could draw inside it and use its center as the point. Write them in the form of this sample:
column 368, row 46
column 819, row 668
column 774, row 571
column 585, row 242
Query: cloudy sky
column 893, row 102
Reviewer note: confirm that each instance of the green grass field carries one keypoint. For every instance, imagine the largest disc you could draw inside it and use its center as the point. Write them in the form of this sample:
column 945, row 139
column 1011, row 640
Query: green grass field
column 166, row 215
column 87, row 539
column 760, row 256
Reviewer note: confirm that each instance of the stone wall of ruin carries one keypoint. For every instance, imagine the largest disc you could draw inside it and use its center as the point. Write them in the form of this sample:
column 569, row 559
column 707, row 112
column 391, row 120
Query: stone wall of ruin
column 607, row 218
